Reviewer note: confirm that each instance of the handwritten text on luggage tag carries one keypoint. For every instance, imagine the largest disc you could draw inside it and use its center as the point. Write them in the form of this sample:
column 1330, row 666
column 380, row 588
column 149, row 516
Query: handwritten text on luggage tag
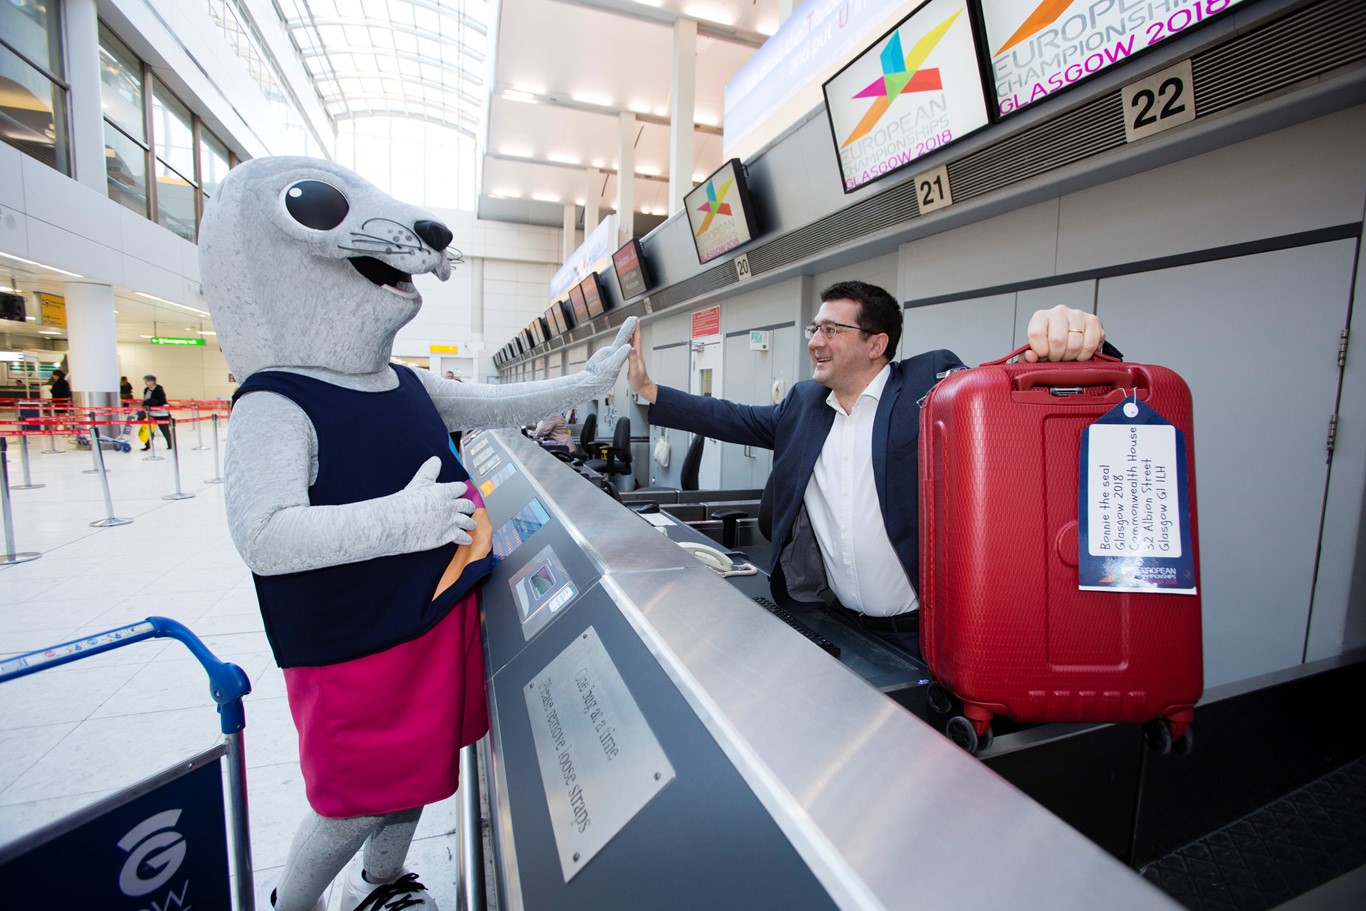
column 1133, row 506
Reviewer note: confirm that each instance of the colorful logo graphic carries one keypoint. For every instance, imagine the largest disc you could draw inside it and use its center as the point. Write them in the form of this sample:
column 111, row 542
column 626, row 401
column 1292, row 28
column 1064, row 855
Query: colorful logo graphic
column 715, row 204
column 1044, row 15
column 900, row 73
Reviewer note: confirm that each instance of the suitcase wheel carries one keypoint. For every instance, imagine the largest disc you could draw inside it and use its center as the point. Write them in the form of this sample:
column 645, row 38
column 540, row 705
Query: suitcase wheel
column 1163, row 736
column 938, row 699
column 964, row 733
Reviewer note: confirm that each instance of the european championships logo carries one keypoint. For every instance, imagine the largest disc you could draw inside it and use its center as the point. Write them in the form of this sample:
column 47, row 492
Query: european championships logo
column 1044, row 15
column 715, row 204
column 901, row 73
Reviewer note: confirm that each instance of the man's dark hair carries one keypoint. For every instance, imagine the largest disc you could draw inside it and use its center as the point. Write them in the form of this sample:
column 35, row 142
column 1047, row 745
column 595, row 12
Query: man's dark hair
column 878, row 310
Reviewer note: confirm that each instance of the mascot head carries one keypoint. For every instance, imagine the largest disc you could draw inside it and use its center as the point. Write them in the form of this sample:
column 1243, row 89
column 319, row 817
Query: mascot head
column 306, row 264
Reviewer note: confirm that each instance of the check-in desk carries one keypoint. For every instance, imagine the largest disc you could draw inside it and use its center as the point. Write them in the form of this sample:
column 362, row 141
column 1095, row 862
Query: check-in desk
column 659, row 740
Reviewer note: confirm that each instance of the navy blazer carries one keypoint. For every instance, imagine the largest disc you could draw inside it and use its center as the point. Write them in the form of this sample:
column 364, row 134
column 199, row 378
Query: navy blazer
column 796, row 428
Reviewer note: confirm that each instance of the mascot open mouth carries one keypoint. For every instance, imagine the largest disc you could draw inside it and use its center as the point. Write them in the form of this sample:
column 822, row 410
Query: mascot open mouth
column 384, row 275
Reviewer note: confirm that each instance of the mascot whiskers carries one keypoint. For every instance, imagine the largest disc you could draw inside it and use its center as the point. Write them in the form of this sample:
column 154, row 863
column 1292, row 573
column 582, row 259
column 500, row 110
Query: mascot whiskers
column 349, row 506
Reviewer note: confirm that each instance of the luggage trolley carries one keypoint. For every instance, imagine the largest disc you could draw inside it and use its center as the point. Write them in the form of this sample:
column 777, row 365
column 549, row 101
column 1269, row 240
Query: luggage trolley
column 152, row 844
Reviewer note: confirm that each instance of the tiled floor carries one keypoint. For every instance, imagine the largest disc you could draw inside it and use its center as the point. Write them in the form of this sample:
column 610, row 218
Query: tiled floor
column 73, row 734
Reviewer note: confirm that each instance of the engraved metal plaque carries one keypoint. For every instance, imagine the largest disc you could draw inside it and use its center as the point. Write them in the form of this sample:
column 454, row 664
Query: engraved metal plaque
column 600, row 762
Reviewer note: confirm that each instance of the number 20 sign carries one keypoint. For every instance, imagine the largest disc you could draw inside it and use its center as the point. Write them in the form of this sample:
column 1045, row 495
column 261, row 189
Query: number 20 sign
column 1159, row 102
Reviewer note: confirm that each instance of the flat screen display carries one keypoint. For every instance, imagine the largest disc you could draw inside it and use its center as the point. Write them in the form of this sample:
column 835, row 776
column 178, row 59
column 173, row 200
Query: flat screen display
column 538, row 330
column 1038, row 49
column 720, row 212
column 578, row 305
column 591, row 287
column 552, row 322
column 914, row 91
column 629, row 264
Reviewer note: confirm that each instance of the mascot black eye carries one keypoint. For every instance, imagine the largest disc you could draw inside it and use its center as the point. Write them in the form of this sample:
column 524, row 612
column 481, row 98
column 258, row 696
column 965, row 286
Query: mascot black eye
column 316, row 205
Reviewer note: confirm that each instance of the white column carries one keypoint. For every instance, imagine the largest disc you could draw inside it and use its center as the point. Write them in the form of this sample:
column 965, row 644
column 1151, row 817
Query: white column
column 592, row 178
column 626, row 177
column 477, row 315
column 567, row 243
column 681, row 121
column 92, row 347
column 83, row 74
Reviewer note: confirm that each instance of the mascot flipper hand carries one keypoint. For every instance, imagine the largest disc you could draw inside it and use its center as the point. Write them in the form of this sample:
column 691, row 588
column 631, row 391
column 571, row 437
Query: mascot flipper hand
column 366, row 542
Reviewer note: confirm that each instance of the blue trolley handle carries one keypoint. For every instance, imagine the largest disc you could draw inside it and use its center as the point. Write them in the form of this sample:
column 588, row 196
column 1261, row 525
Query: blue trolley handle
column 227, row 682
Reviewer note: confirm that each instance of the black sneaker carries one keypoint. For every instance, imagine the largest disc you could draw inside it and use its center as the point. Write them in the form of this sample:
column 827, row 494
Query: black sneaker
column 404, row 892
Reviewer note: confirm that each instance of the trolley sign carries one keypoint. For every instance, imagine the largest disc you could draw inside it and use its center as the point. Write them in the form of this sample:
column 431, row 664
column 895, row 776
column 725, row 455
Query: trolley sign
column 159, row 844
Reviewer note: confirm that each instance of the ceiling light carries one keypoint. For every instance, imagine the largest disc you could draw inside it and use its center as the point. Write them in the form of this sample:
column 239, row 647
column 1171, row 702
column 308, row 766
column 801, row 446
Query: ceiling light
column 506, row 194
column 648, row 170
column 597, row 162
column 31, row 319
column 144, row 336
column 30, row 262
column 662, row 111
column 533, row 90
column 207, row 332
column 49, row 332
column 523, row 97
column 595, row 100
column 563, row 158
column 545, row 197
column 6, row 290
column 162, row 300
column 579, row 202
column 515, row 152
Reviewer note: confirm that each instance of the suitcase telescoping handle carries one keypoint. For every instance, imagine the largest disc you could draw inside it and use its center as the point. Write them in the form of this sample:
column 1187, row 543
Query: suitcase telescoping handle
column 1121, row 376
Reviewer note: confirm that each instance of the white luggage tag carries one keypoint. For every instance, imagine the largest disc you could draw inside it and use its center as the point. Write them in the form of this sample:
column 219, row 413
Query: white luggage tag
column 1134, row 530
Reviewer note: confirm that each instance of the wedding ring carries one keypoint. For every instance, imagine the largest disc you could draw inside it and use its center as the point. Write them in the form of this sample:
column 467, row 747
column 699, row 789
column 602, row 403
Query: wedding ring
column 1082, row 331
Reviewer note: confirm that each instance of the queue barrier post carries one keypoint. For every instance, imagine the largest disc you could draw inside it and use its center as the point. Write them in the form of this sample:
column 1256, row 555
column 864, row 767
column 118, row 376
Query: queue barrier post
column 175, row 465
column 110, row 518
column 10, row 556
column 152, row 440
column 28, row 480
column 96, row 460
column 217, row 474
column 52, row 435
column 198, row 428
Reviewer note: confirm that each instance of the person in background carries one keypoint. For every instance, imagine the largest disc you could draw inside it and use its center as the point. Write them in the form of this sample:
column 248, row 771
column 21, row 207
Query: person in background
column 125, row 389
column 61, row 389
column 845, row 478
column 552, row 431
column 154, row 407
column 450, row 375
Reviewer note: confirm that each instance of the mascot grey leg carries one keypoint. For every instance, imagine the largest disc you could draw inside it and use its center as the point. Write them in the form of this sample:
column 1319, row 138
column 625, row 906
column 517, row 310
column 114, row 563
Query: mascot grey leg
column 322, row 847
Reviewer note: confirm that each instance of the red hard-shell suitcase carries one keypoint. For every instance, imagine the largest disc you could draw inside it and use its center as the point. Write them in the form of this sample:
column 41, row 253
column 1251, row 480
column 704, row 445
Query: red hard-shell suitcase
column 1003, row 625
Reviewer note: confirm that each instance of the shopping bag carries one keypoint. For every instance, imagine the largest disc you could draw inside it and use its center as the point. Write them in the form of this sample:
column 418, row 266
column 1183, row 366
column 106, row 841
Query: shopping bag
column 143, row 435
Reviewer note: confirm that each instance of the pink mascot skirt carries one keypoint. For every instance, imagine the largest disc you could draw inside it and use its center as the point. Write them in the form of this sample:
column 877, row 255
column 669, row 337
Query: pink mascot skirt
column 383, row 733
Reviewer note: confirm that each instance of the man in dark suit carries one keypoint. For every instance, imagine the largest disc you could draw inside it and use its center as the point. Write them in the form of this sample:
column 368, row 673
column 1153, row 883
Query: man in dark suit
column 845, row 451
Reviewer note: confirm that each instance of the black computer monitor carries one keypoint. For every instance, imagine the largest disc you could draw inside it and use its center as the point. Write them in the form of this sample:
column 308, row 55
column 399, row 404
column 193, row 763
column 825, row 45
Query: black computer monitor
column 721, row 212
column 578, row 305
column 593, row 298
column 629, row 264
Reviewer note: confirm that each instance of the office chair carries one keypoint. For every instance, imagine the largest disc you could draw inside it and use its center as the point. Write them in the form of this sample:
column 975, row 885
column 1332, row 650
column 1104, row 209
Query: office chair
column 617, row 456
column 688, row 472
column 583, row 446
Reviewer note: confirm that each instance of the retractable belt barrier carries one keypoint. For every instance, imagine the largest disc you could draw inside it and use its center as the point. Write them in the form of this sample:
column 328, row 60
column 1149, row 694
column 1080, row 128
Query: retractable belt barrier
column 99, row 428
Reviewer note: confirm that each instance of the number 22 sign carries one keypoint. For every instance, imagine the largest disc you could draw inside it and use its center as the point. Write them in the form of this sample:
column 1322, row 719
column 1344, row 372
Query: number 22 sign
column 1159, row 102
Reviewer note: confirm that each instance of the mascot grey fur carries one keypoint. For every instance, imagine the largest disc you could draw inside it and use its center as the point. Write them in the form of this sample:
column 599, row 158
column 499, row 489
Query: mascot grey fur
column 307, row 270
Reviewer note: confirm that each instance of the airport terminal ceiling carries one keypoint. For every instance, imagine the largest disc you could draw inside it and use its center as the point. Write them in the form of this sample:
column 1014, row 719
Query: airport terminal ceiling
column 539, row 85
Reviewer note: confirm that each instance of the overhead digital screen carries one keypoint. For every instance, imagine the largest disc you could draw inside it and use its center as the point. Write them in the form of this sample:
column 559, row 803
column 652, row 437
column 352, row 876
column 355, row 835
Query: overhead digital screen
column 1039, row 48
column 578, row 305
column 720, row 212
column 629, row 264
column 591, row 287
column 914, row 91
column 552, row 320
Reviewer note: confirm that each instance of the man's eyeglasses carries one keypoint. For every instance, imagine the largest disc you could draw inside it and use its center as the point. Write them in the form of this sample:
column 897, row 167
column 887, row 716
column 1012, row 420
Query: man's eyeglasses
column 830, row 329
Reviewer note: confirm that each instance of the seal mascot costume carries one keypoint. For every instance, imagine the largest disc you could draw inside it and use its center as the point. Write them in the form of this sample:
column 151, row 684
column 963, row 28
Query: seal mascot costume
column 347, row 502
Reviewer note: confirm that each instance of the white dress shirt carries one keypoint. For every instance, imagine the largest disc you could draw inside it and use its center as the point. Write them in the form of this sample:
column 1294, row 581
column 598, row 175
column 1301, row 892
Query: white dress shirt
column 841, row 501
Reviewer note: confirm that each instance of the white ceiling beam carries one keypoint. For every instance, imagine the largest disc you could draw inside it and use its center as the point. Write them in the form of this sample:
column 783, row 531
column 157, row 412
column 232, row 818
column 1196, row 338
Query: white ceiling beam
column 508, row 93
column 550, row 163
column 666, row 17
